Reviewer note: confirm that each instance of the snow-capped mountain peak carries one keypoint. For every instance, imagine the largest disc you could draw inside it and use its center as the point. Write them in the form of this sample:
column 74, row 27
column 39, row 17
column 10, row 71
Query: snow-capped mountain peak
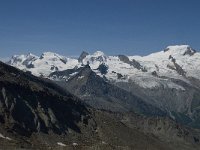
column 98, row 53
column 180, row 50
column 45, row 64
column 22, row 59
column 95, row 59
column 49, row 55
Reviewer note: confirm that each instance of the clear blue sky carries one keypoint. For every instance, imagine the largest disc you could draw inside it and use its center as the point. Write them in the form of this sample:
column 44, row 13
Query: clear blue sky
column 113, row 26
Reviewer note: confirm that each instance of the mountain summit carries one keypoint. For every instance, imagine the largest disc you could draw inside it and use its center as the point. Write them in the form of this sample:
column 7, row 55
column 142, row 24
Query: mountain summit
column 180, row 49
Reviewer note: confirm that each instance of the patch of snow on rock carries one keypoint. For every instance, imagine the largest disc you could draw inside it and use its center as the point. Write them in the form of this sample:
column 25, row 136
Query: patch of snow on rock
column 61, row 144
column 4, row 137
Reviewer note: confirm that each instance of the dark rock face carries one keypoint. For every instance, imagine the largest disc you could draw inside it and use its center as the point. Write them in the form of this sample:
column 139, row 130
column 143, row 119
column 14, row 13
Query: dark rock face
column 119, row 76
column 138, row 66
column 64, row 61
column 103, row 69
column 124, row 58
column 28, row 105
column 26, row 63
column 154, row 73
column 54, row 68
column 64, row 75
column 178, row 68
column 82, row 56
column 133, row 63
column 190, row 51
column 166, row 49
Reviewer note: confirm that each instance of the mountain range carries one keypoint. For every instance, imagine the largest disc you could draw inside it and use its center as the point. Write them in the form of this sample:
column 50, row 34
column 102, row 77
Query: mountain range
column 146, row 97
column 168, row 80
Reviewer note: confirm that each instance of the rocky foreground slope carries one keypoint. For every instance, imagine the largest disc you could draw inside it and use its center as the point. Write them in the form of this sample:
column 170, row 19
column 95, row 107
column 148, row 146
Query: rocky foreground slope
column 37, row 114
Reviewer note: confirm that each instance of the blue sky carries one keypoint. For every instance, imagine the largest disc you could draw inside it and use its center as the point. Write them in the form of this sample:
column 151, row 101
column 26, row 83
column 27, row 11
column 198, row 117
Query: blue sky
column 113, row 26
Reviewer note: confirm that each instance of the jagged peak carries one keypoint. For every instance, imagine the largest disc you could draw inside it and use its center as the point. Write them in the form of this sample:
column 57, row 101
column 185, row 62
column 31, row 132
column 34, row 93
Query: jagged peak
column 97, row 56
column 98, row 53
column 48, row 54
column 51, row 55
column 24, row 56
column 31, row 56
column 16, row 56
column 82, row 56
column 180, row 49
